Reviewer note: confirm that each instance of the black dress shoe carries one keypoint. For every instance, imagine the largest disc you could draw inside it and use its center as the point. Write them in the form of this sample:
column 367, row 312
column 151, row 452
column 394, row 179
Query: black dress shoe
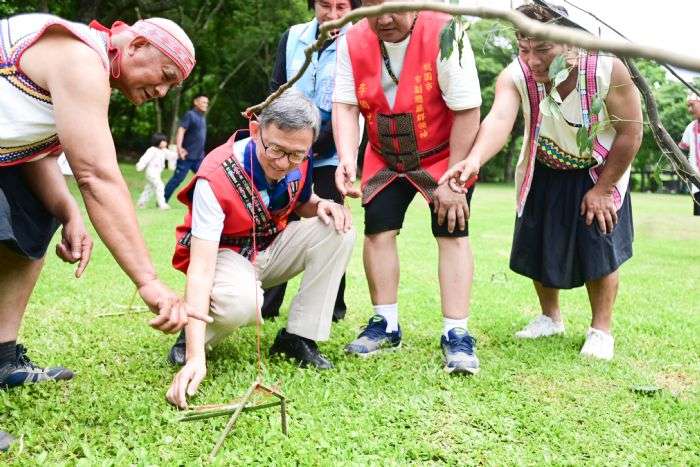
column 178, row 352
column 5, row 441
column 305, row 351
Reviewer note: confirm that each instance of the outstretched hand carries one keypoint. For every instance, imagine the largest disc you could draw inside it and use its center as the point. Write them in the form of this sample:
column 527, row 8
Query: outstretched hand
column 75, row 245
column 461, row 176
column 173, row 312
column 345, row 175
column 186, row 382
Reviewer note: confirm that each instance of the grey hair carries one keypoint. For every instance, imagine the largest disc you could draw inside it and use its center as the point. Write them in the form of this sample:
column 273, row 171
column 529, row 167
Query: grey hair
column 292, row 110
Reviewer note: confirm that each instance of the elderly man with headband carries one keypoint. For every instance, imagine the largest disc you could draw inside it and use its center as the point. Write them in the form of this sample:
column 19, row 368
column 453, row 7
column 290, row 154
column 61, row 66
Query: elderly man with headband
column 55, row 84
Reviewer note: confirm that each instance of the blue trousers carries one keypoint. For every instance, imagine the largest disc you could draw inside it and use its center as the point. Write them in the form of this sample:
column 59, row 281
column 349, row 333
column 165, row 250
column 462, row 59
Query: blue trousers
column 183, row 166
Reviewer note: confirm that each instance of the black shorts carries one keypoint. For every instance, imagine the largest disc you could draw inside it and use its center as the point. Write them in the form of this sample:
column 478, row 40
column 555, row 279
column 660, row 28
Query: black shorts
column 552, row 243
column 26, row 227
column 696, row 204
column 387, row 210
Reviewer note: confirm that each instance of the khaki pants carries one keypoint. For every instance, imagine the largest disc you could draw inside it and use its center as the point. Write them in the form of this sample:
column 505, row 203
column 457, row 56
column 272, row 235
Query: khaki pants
column 307, row 245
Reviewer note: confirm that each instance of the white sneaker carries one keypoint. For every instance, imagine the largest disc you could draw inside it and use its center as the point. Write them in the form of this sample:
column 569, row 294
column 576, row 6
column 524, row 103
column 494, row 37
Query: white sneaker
column 599, row 344
column 542, row 326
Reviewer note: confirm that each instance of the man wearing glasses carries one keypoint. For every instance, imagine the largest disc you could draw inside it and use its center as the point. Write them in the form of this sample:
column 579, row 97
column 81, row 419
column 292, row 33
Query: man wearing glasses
column 236, row 240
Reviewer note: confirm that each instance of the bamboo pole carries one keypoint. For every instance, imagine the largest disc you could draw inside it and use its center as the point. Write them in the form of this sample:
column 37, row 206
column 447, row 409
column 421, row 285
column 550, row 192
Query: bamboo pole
column 232, row 421
column 530, row 27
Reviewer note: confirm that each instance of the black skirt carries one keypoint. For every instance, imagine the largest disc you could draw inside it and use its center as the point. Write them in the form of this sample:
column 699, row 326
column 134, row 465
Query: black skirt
column 26, row 227
column 552, row 243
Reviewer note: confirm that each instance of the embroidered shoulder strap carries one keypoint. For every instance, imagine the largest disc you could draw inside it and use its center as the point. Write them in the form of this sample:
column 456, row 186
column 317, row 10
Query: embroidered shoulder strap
column 264, row 225
column 535, row 93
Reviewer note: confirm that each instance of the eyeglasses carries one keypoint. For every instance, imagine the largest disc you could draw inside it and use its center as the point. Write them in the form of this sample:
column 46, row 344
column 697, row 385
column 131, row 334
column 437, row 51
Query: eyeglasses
column 274, row 152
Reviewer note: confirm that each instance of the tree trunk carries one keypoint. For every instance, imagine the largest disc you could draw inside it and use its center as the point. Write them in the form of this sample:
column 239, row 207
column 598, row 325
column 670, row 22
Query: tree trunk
column 88, row 10
column 177, row 97
column 159, row 116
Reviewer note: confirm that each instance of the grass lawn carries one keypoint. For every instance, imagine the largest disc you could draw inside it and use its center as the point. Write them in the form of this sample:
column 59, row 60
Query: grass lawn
column 533, row 402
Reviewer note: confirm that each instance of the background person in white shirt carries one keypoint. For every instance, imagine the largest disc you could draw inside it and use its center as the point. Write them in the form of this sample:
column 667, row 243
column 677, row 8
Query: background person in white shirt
column 153, row 161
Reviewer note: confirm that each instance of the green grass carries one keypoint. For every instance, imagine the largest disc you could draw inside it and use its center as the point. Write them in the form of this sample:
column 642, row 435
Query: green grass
column 533, row 402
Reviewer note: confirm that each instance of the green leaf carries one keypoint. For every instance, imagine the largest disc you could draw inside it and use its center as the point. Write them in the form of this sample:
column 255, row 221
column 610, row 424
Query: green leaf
column 447, row 40
column 596, row 105
column 560, row 77
column 550, row 108
column 582, row 139
column 557, row 66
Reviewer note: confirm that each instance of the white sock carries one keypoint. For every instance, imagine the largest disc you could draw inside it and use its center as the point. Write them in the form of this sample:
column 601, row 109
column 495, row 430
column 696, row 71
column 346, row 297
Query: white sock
column 390, row 313
column 449, row 324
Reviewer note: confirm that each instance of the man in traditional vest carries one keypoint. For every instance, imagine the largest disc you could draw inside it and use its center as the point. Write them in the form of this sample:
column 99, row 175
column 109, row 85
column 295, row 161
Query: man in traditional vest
column 422, row 115
column 691, row 143
column 574, row 218
column 55, row 83
column 317, row 84
column 236, row 239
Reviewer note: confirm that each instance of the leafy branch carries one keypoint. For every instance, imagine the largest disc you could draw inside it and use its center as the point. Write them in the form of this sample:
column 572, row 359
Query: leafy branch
column 530, row 27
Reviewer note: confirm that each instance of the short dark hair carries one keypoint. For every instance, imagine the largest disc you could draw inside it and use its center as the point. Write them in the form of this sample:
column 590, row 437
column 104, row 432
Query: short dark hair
column 198, row 96
column 545, row 12
column 353, row 4
column 158, row 138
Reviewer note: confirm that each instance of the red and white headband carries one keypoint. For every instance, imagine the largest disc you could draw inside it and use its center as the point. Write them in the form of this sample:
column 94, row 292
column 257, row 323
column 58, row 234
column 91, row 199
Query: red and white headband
column 163, row 34
column 164, row 39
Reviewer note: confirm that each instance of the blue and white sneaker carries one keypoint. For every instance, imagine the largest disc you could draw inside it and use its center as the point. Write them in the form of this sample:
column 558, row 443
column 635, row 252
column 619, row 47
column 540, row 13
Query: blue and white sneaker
column 5, row 441
column 23, row 371
column 374, row 338
column 459, row 352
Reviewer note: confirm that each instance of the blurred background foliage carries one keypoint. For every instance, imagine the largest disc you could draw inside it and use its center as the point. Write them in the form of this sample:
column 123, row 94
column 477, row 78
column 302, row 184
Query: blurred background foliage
column 236, row 42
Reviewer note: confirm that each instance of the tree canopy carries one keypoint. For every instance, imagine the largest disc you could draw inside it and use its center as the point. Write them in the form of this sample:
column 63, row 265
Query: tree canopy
column 236, row 42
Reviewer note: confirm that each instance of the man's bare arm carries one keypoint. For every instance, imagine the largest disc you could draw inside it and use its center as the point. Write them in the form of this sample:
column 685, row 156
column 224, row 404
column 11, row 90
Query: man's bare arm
column 79, row 87
column 625, row 110
column 346, row 132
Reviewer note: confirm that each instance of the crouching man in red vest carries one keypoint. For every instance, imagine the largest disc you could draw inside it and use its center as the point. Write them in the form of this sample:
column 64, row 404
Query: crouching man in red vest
column 422, row 116
column 236, row 240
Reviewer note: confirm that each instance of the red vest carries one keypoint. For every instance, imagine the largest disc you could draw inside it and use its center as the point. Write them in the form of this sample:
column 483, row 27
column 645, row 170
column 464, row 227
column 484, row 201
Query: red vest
column 411, row 139
column 238, row 198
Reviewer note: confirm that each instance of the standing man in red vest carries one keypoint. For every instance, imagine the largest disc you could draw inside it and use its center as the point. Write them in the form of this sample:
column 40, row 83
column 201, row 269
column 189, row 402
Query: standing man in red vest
column 238, row 208
column 422, row 114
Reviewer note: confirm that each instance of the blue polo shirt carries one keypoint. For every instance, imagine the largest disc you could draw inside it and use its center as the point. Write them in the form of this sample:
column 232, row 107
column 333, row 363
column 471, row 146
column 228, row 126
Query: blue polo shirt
column 207, row 215
column 195, row 125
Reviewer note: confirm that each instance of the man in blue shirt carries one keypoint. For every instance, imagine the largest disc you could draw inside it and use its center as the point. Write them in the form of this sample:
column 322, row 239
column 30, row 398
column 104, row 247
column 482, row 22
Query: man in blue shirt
column 190, row 140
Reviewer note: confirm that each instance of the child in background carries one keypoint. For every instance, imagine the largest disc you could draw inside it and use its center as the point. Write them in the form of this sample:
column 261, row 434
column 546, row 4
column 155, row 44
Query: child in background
column 153, row 160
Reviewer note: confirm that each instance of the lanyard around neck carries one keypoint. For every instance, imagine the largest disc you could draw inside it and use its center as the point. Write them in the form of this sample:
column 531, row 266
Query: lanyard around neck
column 385, row 53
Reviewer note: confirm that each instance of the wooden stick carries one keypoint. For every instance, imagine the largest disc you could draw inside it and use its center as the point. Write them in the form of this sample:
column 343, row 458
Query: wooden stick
column 224, row 410
column 283, row 415
column 528, row 26
column 668, row 146
column 123, row 313
column 133, row 297
column 232, row 421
